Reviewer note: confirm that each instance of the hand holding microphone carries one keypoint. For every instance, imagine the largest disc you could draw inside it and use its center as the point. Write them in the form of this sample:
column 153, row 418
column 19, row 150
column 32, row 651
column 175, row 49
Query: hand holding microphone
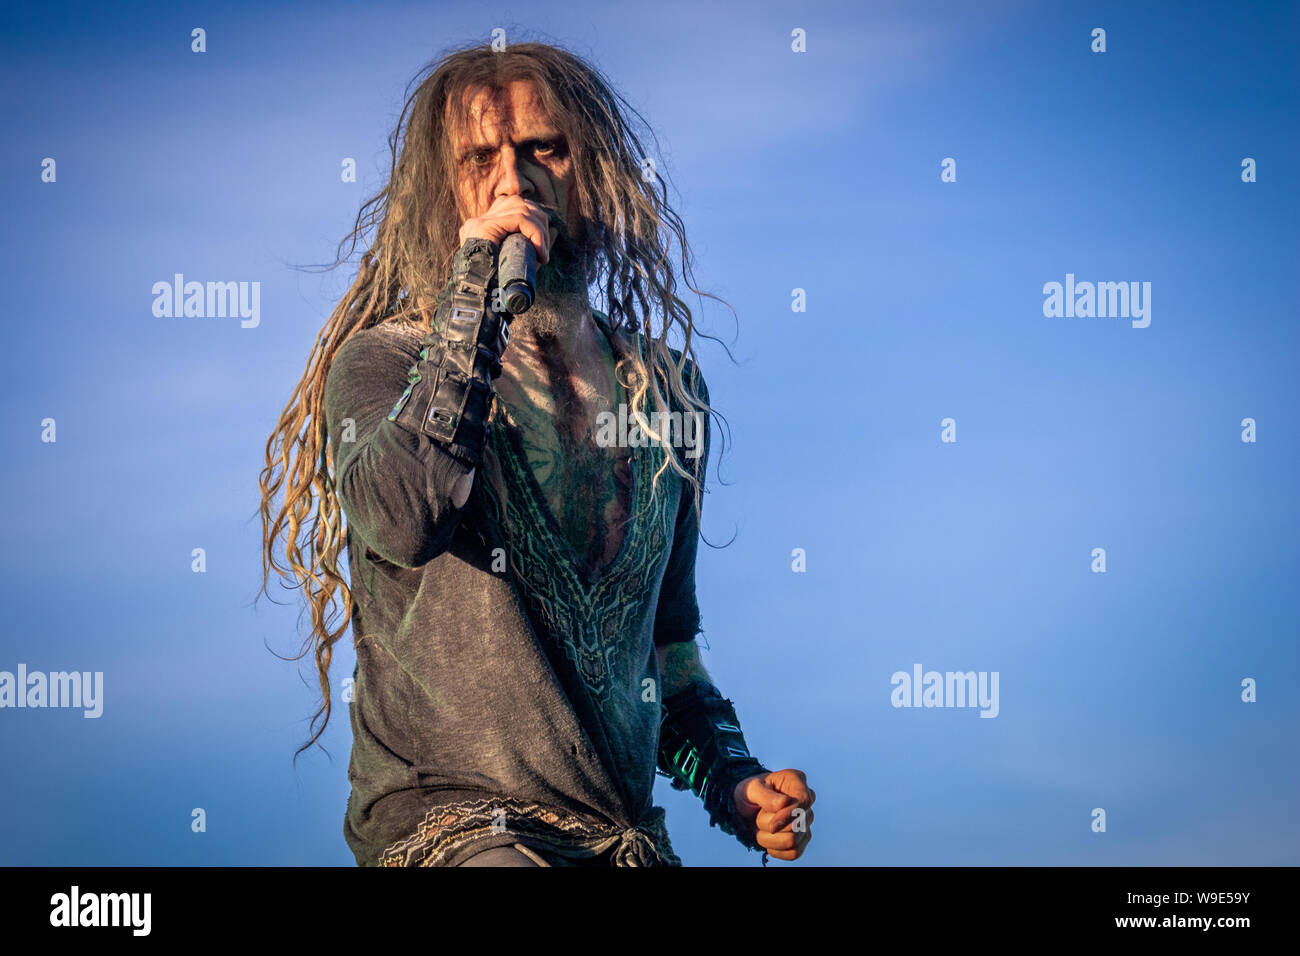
column 450, row 388
column 523, row 232
column 513, row 214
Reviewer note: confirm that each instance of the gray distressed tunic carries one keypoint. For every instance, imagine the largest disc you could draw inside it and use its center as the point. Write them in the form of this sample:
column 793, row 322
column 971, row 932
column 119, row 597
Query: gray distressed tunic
column 500, row 693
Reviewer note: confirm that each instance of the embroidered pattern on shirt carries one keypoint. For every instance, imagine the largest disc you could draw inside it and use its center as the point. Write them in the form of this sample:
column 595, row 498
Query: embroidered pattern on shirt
column 445, row 829
column 591, row 621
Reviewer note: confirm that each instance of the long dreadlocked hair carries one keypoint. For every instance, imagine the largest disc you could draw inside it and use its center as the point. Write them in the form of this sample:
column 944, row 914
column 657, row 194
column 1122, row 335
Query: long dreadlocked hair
column 415, row 219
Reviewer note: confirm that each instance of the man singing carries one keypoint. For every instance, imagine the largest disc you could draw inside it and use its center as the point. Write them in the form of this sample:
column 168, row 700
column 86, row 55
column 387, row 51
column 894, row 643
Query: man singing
column 522, row 588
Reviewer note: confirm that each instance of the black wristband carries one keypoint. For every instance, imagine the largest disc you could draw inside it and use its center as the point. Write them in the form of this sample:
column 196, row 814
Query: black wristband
column 450, row 388
column 702, row 749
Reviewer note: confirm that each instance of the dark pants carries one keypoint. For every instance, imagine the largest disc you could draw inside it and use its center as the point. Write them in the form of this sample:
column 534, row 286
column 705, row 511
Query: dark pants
column 520, row 855
column 517, row 855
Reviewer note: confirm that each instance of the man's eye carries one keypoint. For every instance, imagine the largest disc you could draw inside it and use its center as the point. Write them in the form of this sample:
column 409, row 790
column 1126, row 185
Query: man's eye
column 479, row 157
column 544, row 149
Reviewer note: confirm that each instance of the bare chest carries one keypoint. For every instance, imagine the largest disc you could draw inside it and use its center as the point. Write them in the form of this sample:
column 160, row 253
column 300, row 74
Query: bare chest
column 553, row 429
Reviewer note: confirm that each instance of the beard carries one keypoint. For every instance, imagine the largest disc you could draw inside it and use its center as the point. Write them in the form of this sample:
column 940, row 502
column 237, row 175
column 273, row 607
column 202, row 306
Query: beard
column 561, row 297
column 550, row 314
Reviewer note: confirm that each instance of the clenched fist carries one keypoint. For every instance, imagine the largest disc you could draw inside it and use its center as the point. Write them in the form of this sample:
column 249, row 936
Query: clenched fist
column 768, row 806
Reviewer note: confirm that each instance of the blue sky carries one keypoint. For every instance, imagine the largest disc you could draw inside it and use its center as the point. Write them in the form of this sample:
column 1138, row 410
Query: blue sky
column 818, row 171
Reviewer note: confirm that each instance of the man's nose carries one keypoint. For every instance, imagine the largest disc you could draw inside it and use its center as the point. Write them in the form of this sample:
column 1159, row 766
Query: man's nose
column 511, row 181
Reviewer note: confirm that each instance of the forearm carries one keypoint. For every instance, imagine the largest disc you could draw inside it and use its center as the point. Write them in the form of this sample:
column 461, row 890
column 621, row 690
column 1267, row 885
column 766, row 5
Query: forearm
column 450, row 388
column 406, row 474
column 701, row 746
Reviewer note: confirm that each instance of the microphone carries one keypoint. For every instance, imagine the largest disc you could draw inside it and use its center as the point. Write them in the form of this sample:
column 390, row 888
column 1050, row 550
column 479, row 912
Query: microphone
column 517, row 273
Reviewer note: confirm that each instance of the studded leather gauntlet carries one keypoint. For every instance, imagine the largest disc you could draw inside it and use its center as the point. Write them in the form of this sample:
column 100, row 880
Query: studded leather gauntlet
column 702, row 750
column 450, row 388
